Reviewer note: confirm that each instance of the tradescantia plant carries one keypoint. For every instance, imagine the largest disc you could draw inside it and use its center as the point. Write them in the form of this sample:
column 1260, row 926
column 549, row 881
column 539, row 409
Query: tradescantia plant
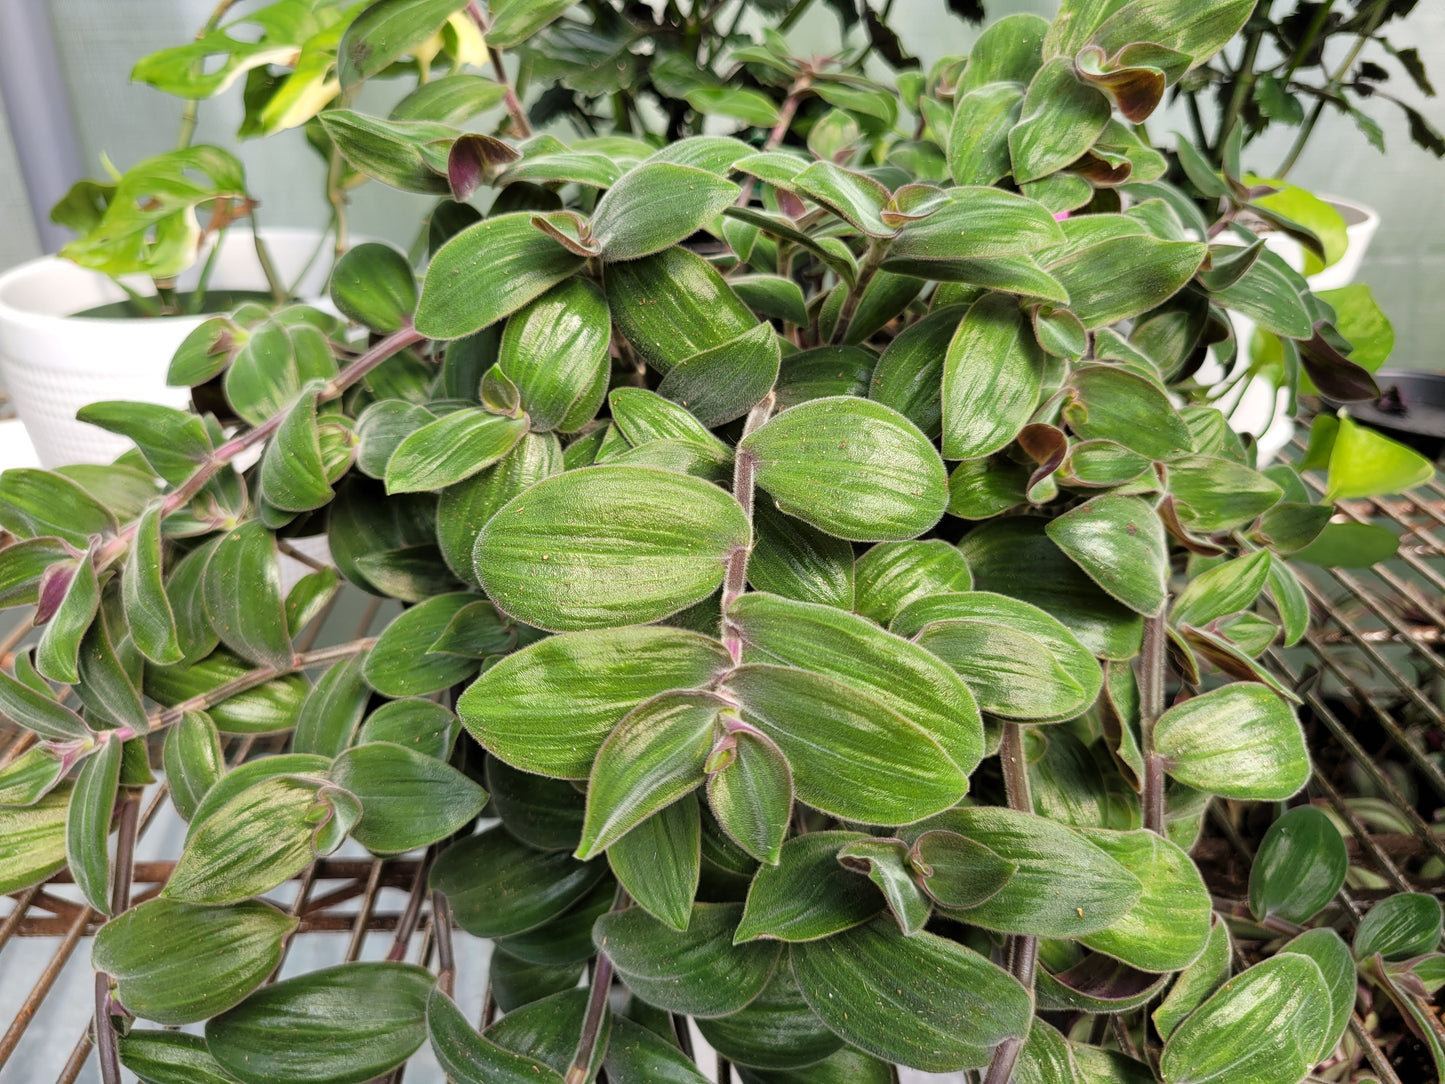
column 809, row 576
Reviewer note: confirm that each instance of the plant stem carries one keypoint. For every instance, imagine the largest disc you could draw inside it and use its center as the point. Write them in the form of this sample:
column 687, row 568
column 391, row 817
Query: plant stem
column 592, row 1023
column 268, row 268
column 877, row 249
column 394, row 343
column 105, row 1035
column 1307, row 129
column 1023, row 950
column 252, row 678
column 441, row 924
column 193, row 106
column 735, row 577
column 1307, row 41
column 514, row 104
column 1239, row 94
column 793, row 16
column 1151, row 706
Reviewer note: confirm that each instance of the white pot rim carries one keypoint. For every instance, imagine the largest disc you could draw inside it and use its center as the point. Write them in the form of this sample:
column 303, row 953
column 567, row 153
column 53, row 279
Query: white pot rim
column 12, row 281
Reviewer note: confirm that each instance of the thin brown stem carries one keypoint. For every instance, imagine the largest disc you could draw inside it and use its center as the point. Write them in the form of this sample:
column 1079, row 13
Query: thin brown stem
column 441, row 924
column 1023, row 950
column 1151, row 705
column 514, row 104
column 735, row 575
column 393, row 344
column 592, row 1023
column 106, row 1040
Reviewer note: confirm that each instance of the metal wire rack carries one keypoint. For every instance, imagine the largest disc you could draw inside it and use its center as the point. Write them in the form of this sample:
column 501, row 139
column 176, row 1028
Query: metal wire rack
column 1371, row 674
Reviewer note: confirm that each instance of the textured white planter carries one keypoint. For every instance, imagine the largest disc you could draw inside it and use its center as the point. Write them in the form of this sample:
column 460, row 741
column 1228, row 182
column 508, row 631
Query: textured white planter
column 54, row 363
column 1261, row 410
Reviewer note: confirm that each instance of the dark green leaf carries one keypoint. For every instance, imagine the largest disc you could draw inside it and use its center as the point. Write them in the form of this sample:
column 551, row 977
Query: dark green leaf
column 498, row 887
column 408, row 799
column 541, row 812
column 469, row 1058
column 38, row 503
column 956, row 871
column 809, row 894
column 242, row 591
column 798, row 561
column 1120, row 543
column 776, row 1030
column 1300, row 865
column 555, row 351
column 57, row 656
column 339, row 1025
column 893, row 574
column 886, row 864
column 1399, row 927
column 274, row 705
column 751, row 793
column 403, row 663
column 386, row 31
column 655, row 205
column 372, row 283
column 1197, row 981
column 1329, row 951
column 30, row 776
column 920, row 1001
column 333, row 710
column 991, row 379
column 176, row 963
column 87, row 828
column 450, row 449
column 192, row 761
column 698, row 971
column 659, row 862
column 1111, row 403
column 1060, row 119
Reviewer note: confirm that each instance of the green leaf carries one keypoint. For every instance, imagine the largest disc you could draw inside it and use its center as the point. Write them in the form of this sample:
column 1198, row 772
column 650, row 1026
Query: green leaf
column 23, row 566
column 1119, row 542
column 403, row 662
column 469, row 1058
column 798, row 561
column 854, row 651
column 655, row 205
column 776, row 1030
column 246, row 775
column 1019, row 662
column 992, row 375
column 1350, row 545
column 57, row 654
column 874, row 476
column 257, row 840
column 242, row 592
column 1300, row 865
column 1399, row 927
column 1265, row 1025
column 385, row 32
column 1268, row 294
column 293, row 472
column 1010, row 50
column 920, row 1001
column 514, row 21
column 407, row 799
column 1060, row 119
column 885, row 862
column 890, row 575
column 549, row 707
column 978, row 141
column 653, row 757
column 39, row 712
column 555, row 351
column 851, row 755
column 1241, row 741
column 1015, row 557
column 566, row 939
column 1168, row 927
column 1364, row 463
column 499, row 887
column 660, row 861
column 1047, row 856
column 192, row 761
column 1329, row 951
column 148, row 610
column 173, row 441
column 450, row 99
column 541, row 812
column 333, row 710
column 772, row 296
column 1224, row 589
column 1359, row 318
column 176, row 963
column 1196, row 982
column 809, row 894
column 547, row 1031
column 407, row 154
column 827, row 370
column 339, row 1025
column 39, row 503
column 170, row 1057
column 32, row 840
column 516, row 983
column 728, row 380
column 1098, row 296
column 698, row 971
column 749, row 106
column 751, row 794
column 87, row 828
column 486, row 272
column 450, row 449
column 608, row 546
column 464, row 509
column 1215, row 494
column 30, row 776
column 373, row 283
column 847, row 1066
column 1200, row 30
column 673, row 305
column 1110, row 403
column 956, row 871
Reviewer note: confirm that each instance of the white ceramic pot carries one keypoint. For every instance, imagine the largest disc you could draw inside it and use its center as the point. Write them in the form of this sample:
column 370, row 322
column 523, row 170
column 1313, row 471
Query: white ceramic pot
column 53, row 363
column 1258, row 408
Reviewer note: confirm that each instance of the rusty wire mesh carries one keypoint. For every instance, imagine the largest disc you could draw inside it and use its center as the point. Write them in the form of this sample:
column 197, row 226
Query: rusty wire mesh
column 1371, row 673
